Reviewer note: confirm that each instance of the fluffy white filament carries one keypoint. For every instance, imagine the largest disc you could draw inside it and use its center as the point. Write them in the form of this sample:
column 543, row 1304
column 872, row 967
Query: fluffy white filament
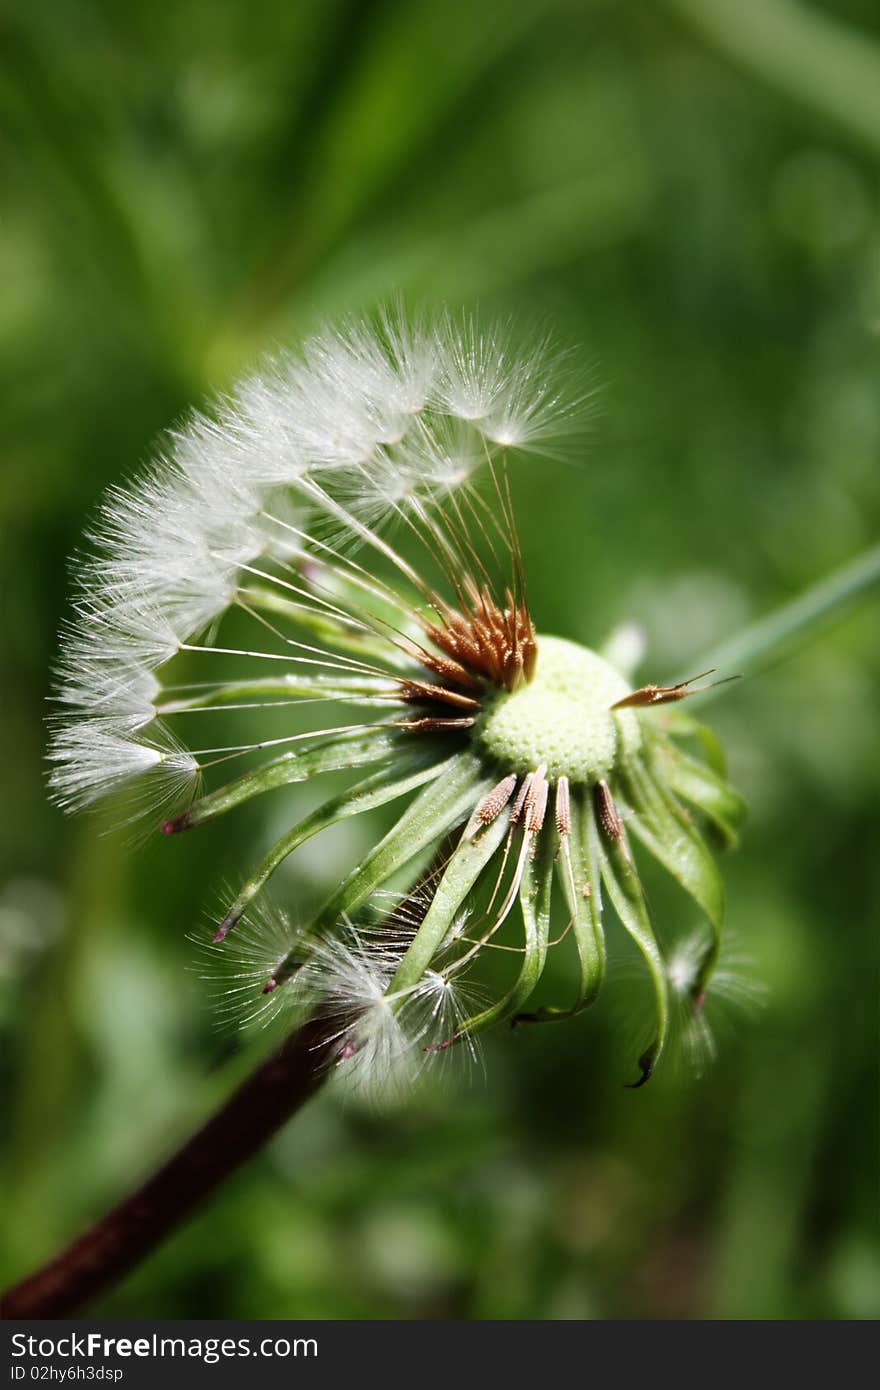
column 95, row 757
column 733, row 990
column 384, row 1038
column 381, row 1041
column 367, row 421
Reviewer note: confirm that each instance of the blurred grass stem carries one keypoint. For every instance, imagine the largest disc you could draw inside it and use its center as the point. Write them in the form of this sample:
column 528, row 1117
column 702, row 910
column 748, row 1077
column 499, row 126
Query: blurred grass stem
column 775, row 637
column 811, row 56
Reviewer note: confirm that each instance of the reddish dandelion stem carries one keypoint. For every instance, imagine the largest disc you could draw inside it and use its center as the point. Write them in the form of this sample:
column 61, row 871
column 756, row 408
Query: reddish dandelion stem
column 132, row 1230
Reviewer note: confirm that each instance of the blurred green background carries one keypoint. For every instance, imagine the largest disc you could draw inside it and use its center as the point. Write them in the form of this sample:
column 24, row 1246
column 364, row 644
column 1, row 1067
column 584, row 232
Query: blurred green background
column 689, row 191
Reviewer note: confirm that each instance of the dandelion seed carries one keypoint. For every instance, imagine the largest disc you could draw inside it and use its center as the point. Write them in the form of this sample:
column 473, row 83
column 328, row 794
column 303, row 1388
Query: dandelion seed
column 704, row 1009
column 96, row 758
column 236, row 973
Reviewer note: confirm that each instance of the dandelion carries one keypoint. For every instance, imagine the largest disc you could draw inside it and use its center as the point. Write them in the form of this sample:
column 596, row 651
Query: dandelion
column 324, row 538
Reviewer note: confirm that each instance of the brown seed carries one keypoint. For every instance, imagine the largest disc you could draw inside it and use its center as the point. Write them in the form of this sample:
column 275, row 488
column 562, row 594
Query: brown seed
column 516, row 813
column 667, row 694
column 425, row 692
column 536, row 802
column 486, row 640
column 609, row 818
column 494, row 802
column 563, row 807
column 429, row 725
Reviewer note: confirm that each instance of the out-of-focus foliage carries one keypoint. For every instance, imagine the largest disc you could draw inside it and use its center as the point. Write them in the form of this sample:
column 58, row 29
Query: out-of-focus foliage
column 182, row 187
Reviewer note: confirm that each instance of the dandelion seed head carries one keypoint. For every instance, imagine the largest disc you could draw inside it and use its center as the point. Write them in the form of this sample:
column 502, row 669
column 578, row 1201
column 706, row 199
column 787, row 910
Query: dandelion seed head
column 320, row 537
